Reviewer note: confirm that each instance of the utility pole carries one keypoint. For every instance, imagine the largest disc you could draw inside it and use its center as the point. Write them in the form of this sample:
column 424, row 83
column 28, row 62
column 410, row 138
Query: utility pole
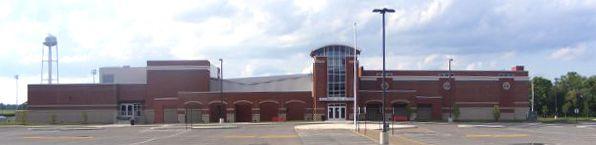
column 383, row 139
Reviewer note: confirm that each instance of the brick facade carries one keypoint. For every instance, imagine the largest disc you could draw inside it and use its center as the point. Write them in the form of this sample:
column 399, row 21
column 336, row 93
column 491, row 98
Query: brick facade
column 179, row 91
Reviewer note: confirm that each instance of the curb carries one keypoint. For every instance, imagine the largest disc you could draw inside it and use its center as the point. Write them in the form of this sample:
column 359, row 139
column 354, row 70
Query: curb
column 480, row 126
column 586, row 126
column 63, row 129
column 215, row 127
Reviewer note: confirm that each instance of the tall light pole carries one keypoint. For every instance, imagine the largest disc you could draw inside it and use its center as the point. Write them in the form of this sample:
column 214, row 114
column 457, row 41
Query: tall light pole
column 16, row 78
column 222, row 108
column 532, row 106
column 450, row 95
column 384, row 136
column 556, row 104
column 94, row 72
column 355, row 53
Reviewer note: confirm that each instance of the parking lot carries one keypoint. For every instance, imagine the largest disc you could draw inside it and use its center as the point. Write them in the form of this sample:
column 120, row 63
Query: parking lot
column 500, row 133
column 286, row 134
column 248, row 134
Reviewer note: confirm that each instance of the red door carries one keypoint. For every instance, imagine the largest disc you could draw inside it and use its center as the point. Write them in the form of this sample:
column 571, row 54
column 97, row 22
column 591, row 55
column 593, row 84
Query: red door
column 243, row 112
column 215, row 112
column 295, row 111
column 268, row 111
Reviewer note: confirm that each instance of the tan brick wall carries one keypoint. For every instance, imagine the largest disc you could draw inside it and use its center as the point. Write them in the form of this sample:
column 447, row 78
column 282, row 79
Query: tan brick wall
column 70, row 116
column 170, row 115
column 486, row 113
column 476, row 113
column 149, row 115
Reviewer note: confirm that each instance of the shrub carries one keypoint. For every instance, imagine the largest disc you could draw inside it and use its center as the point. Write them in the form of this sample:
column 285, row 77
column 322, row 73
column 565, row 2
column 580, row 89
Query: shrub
column 544, row 110
column 53, row 119
column 21, row 117
column 84, row 118
column 496, row 112
column 456, row 112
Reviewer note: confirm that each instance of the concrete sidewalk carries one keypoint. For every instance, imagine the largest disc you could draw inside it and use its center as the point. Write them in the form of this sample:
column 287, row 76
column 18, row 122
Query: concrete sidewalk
column 393, row 139
column 350, row 126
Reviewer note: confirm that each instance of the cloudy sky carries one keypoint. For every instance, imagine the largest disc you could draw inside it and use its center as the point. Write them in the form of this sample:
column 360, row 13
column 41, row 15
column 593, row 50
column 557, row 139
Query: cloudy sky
column 275, row 37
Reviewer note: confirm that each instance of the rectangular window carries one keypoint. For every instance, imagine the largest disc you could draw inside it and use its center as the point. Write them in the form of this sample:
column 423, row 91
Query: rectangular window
column 130, row 109
column 107, row 78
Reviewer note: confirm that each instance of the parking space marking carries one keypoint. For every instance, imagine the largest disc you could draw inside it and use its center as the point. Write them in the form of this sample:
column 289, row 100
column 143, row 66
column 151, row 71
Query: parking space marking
column 496, row 135
column 158, row 138
column 58, row 137
column 272, row 136
column 240, row 136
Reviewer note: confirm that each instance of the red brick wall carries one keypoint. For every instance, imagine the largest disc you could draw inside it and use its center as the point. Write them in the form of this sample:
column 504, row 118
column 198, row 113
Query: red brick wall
column 132, row 92
column 163, row 83
column 73, row 94
column 319, row 82
column 436, row 73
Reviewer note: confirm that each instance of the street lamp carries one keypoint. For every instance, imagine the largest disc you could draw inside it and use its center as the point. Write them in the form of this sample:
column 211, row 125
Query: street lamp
column 383, row 136
column 94, row 72
column 222, row 107
column 450, row 95
column 355, row 77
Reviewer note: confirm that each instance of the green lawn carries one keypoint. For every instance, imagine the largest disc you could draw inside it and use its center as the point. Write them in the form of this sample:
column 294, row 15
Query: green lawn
column 7, row 112
column 566, row 119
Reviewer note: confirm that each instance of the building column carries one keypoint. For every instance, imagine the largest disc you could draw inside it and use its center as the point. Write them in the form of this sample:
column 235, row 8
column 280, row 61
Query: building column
column 319, row 113
column 388, row 113
column 256, row 116
column 230, row 115
column 181, row 112
column 282, row 113
column 308, row 114
column 158, row 113
column 205, row 115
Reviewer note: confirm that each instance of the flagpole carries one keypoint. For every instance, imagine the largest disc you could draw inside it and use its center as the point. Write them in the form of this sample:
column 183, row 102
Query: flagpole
column 355, row 106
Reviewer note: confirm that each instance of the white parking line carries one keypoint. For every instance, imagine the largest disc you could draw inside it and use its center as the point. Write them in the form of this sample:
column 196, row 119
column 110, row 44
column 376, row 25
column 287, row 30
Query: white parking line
column 158, row 138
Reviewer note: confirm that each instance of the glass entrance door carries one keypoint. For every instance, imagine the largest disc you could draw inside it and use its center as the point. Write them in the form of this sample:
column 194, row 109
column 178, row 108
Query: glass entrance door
column 336, row 111
column 130, row 109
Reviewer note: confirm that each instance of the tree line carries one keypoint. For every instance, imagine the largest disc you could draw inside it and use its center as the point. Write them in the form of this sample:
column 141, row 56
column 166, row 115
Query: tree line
column 567, row 93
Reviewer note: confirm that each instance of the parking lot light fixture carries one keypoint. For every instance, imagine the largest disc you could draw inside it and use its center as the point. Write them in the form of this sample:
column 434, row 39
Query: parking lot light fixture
column 383, row 136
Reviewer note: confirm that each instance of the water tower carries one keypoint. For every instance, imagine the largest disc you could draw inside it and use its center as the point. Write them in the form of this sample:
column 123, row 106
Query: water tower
column 52, row 60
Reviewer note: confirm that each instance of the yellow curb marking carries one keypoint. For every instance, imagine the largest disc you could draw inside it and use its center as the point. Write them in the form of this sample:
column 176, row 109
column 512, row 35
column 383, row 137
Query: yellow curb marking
column 58, row 137
column 496, row 135
column 240, row 136
column 411, row 140
column 279, row 136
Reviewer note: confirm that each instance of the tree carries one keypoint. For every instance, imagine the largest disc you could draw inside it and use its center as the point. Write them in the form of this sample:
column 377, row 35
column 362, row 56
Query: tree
column 496, row 112
column 543, row 95
column 590, row 95
column 569, row 87
column 544, row 110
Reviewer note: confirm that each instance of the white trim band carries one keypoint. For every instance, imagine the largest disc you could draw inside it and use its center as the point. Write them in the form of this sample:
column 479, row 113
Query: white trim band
column 179, row 67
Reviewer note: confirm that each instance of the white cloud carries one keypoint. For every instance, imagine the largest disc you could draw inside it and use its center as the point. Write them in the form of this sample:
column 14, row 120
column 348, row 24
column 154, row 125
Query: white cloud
column 8, row 89
column 568, row 53
column 312, row 6
column 474, row 66
column 433, row 9
column 274, row 37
